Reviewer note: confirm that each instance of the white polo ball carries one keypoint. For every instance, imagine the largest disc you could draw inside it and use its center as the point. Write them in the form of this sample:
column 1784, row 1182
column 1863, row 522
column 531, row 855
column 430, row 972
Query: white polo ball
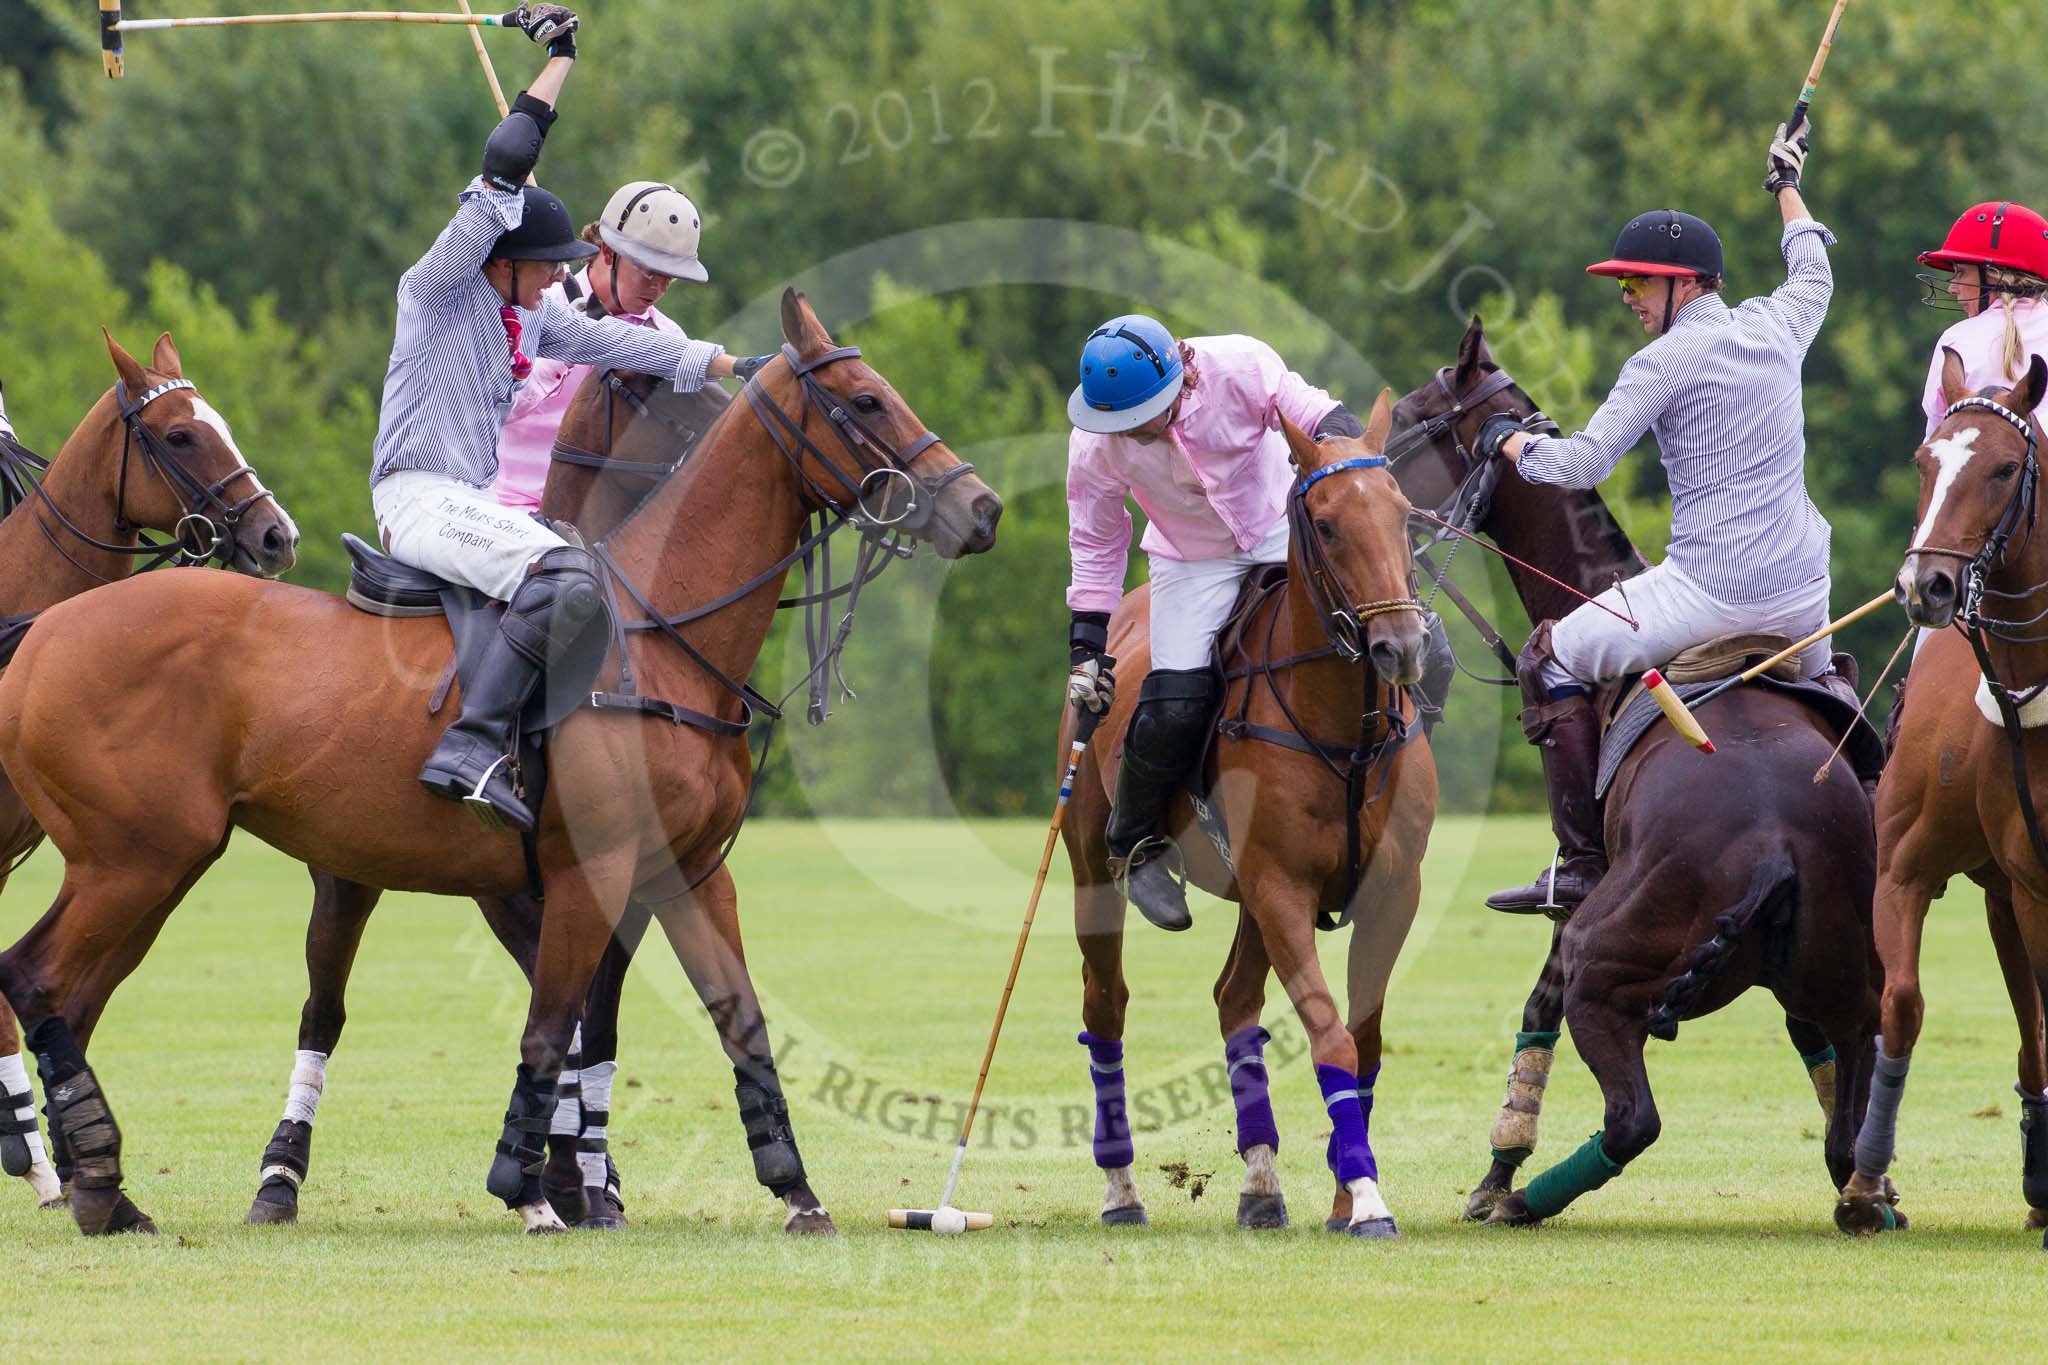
column 949, row 1221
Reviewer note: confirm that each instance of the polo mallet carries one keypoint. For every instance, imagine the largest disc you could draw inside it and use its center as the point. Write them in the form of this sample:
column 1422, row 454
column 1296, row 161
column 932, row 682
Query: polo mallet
column 112, row 25
column 1680, row 714
column 945, row 1218
column 1820, row 59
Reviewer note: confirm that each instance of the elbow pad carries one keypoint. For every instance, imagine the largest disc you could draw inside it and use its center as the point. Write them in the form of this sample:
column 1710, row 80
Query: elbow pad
column 1340, row 421
column 513, row 149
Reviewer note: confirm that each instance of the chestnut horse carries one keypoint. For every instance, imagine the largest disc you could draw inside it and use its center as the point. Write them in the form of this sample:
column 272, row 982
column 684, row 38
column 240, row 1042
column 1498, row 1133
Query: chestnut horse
column 1961, row 794
column 620, row 434
column 319, row 761
column 1316, row 714
column 77, row 525
column 1705, row 898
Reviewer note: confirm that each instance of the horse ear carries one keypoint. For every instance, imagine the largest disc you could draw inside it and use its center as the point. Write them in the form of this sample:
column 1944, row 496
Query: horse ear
column 1380, row 423
column 125, row 366
column 800, row 325
column 2026, row 395
column 1473, row 355
column 1953, row 386
column 1301, row 447
column 166, row 358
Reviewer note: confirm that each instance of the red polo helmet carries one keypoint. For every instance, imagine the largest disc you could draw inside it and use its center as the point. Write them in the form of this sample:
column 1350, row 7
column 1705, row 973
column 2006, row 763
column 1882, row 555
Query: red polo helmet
column 1996, row 232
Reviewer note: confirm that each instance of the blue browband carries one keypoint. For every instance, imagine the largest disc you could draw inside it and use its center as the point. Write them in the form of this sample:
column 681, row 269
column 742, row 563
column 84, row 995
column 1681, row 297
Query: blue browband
column 1309, row 481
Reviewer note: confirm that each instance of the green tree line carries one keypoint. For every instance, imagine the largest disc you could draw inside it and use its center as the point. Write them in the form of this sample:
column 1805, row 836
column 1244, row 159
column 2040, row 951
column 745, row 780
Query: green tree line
column 966, row 189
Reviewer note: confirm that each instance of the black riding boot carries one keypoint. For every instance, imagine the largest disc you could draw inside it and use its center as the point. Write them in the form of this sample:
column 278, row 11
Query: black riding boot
column 1175, row 709
column 1568, row 735
column 474, row 761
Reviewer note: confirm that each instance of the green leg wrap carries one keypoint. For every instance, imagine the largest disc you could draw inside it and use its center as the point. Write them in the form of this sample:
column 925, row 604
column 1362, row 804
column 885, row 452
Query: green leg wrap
column 1585, row 1170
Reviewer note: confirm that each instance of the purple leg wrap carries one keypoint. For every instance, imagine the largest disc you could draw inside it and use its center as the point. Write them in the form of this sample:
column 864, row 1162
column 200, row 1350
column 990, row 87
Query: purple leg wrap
column 1112, row 1124
column 1245, row 1054
column 1350, row 1153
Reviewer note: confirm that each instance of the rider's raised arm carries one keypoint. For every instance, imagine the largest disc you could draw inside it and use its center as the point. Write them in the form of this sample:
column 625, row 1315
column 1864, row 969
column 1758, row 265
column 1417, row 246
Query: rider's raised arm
column 562, row 333
column 1801, row 302
column 1645, row 388
column 1098, row 527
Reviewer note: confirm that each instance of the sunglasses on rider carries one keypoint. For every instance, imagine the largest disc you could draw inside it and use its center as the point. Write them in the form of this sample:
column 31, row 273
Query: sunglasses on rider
column 1634, row 288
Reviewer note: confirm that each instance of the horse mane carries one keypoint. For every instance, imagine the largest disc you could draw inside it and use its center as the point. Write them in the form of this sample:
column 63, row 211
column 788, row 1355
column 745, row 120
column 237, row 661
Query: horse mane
column 662, row 391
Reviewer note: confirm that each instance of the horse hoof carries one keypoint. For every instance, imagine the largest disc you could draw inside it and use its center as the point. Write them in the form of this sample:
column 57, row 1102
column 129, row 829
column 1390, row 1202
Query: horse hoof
column 1380, row 1228
column 540, row 1220
column 1336, row 1225
column 14, row 1155
column 265, row 1211
column 572, row 1204
column 1512, row 1210
column 810, row 1223
column 606, row 1214
column 1862, row 1215
column 105, row 1212
column 1481, row 1203
column 1261, row 1211
column 2037, row 1219
column 1130, row 1216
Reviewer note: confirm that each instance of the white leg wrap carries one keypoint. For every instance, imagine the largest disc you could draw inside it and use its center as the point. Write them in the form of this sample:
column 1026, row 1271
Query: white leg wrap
column 568, row 1120
column 14, row 1079
column 309, row 1078
column 597, row 1099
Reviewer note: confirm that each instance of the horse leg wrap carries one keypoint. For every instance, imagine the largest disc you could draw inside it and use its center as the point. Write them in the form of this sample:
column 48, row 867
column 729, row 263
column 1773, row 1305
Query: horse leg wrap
column 1350, row 1153
column 515, row 1170
column 562, row 1177
column 1580, row 1173
column 285, row 1163
column 1113, row 1148
column 764, row 1113
column 1514, row 1127
column 1245, row 1055
column 2034, row 1150
column 1875, row 1140
column 1820, row 1069
column 77, row 1107
column 21, row 1138
column 593, row 1145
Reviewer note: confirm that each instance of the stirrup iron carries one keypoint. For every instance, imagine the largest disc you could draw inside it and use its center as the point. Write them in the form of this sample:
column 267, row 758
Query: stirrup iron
column 477, row 804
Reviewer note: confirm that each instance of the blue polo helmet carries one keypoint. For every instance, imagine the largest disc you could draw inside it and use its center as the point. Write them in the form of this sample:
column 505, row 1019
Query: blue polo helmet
column 1130, row 373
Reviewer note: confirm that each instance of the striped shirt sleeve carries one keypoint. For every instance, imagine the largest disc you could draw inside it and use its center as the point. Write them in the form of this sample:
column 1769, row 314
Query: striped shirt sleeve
column 465, row 244
column 1640, row 396
column 1801, row 302
column 562, row 333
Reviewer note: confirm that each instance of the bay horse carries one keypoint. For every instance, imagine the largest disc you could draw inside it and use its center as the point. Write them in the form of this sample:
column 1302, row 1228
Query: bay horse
column 151, row 455
column 318, row 760
column 1959, row 796
column 620, row 434
column 1769, row 885
column 1319, row 734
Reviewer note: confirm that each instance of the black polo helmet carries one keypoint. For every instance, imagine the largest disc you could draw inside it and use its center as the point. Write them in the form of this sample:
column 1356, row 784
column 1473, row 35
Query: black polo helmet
column 1663, row 242
column 546, row 233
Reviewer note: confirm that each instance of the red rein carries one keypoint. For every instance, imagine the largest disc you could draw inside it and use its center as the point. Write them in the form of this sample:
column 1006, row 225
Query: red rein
column 1631, row 622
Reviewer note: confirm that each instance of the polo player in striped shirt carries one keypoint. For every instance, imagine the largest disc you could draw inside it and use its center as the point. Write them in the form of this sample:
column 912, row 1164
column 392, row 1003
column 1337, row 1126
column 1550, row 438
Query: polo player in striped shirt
column 1719, row 388
column 469, row 314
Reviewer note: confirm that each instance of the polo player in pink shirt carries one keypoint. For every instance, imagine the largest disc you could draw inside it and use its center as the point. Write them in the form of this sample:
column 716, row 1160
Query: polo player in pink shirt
column 1191, row 430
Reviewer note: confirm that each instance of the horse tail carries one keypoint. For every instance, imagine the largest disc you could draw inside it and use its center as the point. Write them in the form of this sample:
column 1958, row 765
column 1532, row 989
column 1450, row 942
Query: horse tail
column 1772, row 887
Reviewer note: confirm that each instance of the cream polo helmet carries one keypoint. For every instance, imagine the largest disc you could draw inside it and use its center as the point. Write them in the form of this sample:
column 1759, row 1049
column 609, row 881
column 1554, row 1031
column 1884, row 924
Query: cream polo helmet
column 656, row 227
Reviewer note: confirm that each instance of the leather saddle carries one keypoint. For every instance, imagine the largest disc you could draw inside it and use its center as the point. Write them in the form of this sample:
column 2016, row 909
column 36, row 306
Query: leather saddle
column 383, row 586
column 1628, row 712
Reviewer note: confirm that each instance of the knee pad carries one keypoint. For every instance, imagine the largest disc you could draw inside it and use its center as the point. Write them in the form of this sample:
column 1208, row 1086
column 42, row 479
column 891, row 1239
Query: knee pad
column 1172, row 704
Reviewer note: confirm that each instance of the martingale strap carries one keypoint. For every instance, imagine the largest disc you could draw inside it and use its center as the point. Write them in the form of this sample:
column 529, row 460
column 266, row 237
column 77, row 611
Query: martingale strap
column 2015, row 738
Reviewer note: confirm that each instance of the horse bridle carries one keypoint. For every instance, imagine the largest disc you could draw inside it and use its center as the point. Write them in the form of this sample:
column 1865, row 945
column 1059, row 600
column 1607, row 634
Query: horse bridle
column 2023, row 505
column 792, row 438
column 1343, row 620
column 197, row 537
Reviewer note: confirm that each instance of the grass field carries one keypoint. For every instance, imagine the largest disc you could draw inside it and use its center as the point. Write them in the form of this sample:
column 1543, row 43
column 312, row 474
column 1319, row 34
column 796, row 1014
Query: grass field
column 880, row 949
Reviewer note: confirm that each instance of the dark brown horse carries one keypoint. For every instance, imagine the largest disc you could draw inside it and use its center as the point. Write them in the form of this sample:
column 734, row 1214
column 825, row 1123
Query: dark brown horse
column 618, row 437
column 319, row 761
column 78, row 524
column 1956, row 795
column 1704, row 898
column 1316, row 711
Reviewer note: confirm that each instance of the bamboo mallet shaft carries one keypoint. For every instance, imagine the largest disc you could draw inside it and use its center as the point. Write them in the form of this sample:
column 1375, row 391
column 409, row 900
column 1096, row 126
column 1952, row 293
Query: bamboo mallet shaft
column 490, row 72
column 1820, row 59
column 353, row 16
